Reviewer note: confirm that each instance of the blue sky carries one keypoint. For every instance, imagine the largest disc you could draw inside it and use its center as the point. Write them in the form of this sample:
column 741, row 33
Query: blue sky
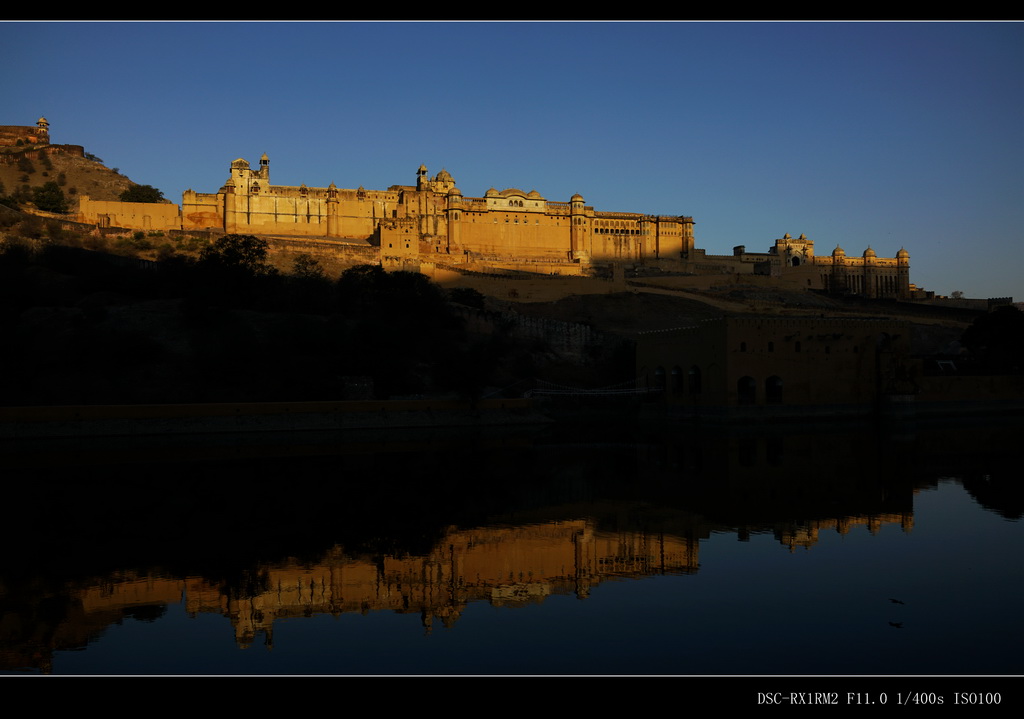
column 886, row 134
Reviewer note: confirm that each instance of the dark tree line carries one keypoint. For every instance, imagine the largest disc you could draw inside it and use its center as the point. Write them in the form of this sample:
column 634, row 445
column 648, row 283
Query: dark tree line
column 231, row 328
column 996, row 340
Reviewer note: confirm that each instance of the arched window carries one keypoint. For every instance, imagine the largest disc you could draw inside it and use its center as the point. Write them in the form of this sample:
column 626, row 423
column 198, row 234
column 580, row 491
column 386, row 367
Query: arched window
column 746, row 388
column 659, row 378
column 773, row 390
column 694, row 380
column 677, row 380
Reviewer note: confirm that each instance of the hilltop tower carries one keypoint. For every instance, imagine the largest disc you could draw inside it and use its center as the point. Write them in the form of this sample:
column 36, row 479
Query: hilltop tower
column 903, row 274
column 454, row 217
column 14, row 135
column 332, row 210
column 687, row 230
column 837, row 281
column 870, row 273
column 577, row 231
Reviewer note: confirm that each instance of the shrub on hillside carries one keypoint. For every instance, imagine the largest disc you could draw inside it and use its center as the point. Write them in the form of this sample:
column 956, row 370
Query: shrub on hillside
column 55, row 231
column 132, row 245
column 8, row 217
column 165, row 252
column 31, row 228
column 96, row 243
column 192, row 243
column 50, row 198
column 306, row 266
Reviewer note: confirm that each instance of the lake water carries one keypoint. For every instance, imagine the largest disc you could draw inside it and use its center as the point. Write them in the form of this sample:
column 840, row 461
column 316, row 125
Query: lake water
column 833, row 549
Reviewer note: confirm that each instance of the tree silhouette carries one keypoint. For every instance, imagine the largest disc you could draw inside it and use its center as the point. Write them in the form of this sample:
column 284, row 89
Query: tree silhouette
column 997, row 339
column 307, row 267
column 142, row 193
column 241, row 253
column 50, row 198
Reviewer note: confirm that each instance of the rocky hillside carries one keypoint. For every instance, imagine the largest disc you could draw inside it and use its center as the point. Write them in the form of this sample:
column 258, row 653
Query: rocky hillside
column 76, row 175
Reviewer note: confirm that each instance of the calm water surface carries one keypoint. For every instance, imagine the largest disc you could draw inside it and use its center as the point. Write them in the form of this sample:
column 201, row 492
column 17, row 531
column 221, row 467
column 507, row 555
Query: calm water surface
column 835, row 550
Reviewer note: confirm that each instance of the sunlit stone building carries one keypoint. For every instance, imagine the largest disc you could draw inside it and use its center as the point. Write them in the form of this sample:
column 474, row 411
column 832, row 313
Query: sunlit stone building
column 432, row 220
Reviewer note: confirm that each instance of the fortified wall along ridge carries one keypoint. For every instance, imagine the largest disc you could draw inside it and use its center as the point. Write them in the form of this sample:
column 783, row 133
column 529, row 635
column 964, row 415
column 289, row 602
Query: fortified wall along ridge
column 431, row 221
column 510, row 229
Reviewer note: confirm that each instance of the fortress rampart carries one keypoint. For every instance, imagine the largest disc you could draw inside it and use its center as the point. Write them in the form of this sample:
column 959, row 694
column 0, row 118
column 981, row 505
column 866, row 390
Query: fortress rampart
column 17, row 135
column 430, row 223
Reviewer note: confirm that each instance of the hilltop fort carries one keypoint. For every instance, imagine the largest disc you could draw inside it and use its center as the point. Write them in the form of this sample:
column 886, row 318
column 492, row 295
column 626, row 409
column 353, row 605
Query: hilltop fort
column 29, row 160
column 743, row 333
column 431, row 222
column 430, row 226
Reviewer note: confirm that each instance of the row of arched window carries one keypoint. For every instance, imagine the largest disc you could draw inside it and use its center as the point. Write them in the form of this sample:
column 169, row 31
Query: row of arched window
column 617, row 231
column 884, row 285
column 746, row 387
column 679, row 383
column 746, row 390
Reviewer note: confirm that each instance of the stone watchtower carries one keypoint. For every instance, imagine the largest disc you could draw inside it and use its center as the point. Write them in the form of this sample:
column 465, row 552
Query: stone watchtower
column 332, row 211
column 43, row 133
column 242, row 186
column 454, row 217
column 687, row 230
column 837, row 281
column 577, row 229
column 903, row 274
column 870, row 288
column 14, row 135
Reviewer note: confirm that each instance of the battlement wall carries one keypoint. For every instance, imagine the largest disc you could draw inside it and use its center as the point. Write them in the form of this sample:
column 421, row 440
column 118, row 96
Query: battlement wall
column 140, row 215
column 965, row 303
column 27, row 134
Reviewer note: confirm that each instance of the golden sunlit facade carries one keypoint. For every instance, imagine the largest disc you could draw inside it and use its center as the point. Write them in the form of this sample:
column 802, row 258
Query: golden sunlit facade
column 431, row 221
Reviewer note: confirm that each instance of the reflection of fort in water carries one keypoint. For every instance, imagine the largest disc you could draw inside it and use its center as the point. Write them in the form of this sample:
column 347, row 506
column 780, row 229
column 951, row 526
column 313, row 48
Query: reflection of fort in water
column 505, row 566
column 581, row 514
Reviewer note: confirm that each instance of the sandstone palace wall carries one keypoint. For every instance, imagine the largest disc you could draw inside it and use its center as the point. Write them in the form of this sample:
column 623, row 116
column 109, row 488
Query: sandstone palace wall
column 431, row 221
